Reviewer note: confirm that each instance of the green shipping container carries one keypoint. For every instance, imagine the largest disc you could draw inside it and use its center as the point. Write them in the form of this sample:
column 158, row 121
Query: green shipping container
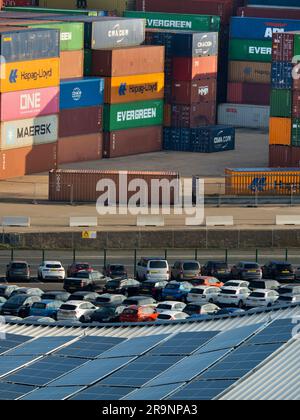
column 87, row 62
column 297, row 44
column 250, row 50
column 133, row 115
column 296, row 132
column 281, row 103
column 176, row 21
column 54, row 11
column 71, row 34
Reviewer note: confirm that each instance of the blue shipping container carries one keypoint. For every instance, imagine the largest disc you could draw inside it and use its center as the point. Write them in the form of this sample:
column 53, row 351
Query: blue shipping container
column 81, row 93
column 278, row 3
column 261, row 28
column 282, row 75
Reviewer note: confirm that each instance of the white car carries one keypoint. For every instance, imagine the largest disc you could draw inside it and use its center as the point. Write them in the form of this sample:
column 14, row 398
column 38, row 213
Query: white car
column 153, row 269
column 203, row 294
column 75, row 310
column 233, row 296
column 51, row 270
column 262, row 298
column 172, row 316
column 170, row 306
column 236, row 283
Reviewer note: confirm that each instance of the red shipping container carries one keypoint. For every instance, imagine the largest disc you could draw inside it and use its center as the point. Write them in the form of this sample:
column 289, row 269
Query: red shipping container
column 283, row 47
column 189, row 69
column 295, row 157
column 296, row 104
column 28, row 160
column 132, row 142
column 198, row 91
column 193, row 116
column 248, row 93
column 80, row 121
column 269, row 12
column 80, row 148
column 280, row 156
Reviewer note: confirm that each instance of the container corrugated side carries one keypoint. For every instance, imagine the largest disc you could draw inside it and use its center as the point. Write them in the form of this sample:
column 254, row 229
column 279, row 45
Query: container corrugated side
column 245, row 116
column 281, row 103
column 280, row 131
column 247, row 71
column 79, row 148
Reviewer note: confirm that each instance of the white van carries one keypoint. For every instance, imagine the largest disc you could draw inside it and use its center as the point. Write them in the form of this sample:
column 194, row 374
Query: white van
column 153, row 269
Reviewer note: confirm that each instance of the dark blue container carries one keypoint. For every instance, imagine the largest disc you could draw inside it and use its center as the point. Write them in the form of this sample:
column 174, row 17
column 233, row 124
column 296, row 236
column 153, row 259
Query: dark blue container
column 278, row 3
column 197, row 44
column 261, row 28
column 166, row 39
column 81, row 93
column 282, row 75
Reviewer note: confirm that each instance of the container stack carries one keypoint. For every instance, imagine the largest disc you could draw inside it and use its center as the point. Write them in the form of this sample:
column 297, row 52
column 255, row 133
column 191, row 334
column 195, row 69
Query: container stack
column 285, row 101
column 29, row 100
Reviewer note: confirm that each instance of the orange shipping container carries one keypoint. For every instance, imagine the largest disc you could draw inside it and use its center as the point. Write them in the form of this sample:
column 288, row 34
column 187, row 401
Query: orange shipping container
column 71, row 64
column 27, row 160
column 167, row 115
column 280, row 131
column 79, row 148
column 250, row 72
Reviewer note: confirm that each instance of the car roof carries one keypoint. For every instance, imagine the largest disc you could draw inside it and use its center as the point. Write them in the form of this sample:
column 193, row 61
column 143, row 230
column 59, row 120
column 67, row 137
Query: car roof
column 248, row 262
column 169, row 302
column 18, row 262
column 48, row 301
column 170, row 313
column 139, row 297
column 263, row 291
column 56, row 292
column 52, row 262
column 280, row 262
column 74, row 302
column 187, row 261
column 232, row 288
column 83, row 293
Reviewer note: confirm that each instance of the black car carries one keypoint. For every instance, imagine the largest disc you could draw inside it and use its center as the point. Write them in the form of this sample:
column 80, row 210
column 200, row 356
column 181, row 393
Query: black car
column 193, row 309
column 86, row 281
column 56, row 295
column 247, row 271
column 109, row 300
column 217, row 269
column 115, row 271
column 84, row 296
column 139, row 301
column 107, row 314
column 18, row 271
column 127, row 287
column 153, row 288
column 280, row 271
column 264, row 284
column 19, row 305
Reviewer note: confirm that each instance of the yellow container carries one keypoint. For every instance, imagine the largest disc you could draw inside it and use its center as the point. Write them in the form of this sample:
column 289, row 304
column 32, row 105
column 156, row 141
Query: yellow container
column 281, row 131
column 25, row 75
column 142, row 87
column 262, row 181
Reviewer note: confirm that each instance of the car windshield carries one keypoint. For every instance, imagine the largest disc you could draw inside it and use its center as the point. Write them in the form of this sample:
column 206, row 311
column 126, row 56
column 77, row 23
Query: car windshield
column 103, row 300
column 19, row 266
column 53, row 266
column 18, row 299
column 82, row 266
column 284, row 267
column 191, row 266
column 197, row 282
column 197, row 291
column 132, row 302
column 192, row 309
column 164, row 306
column 158, row 264
column 39, row 305
column 285, row 291
column 228, row 292
column 104, row 311
column 220, row 266
column 172, row 286
column 50, row 296
column 257, row 295
column 258, row 285
column 68, row 307
column 130, row 311
column 164, row 316
column 117, row 268
column 286, row 298
column 113, row 283
column 82, row 275
column 77, row 297
column 251, row 266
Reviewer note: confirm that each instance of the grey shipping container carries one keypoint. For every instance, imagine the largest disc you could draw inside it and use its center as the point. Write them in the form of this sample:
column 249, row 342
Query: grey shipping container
column 246, row 116
column 23, row 44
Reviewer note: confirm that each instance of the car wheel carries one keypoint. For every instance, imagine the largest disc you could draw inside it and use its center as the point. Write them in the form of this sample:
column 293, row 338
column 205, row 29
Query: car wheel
column 82, row 319
column 211, row 301
column 269, row 305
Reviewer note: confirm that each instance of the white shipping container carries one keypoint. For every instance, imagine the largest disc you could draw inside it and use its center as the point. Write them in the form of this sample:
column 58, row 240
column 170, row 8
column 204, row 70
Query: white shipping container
column 29, row 132
column 245, row 116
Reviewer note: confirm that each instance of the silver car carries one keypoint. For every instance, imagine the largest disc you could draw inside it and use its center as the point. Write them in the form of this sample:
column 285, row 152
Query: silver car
column 262, row 298
column 203, row 294
column 186, row 270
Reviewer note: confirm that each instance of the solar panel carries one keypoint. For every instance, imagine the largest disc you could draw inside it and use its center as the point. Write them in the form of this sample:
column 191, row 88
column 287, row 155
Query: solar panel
column 13, row 391
column 11, row 363
column 241, row 361
column 39, row 346
column 188, row 368
column 89, row 347
column 135, row 346
column 183, row 343
column 10, row 341
column 102, row 393
column 141, row 371
column 45, row 370
column 280, row 331
column 91, row 372
column 52, row 394
column 153, row 393
column 229, row 339
column 201, row 390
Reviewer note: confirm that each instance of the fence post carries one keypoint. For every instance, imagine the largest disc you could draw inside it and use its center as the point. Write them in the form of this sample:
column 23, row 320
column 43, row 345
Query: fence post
column 12, row 253
column 226, row 256
column 43, row 255
column 135, row 262
column 74, row 255
column 104, row 257
column 196, row 254
column 286, row 254
column 256, row 256
column 166, row 254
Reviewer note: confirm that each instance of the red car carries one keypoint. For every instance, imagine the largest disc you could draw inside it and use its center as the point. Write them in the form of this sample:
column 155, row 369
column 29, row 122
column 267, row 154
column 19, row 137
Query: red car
column 138, row 314
column 76, row 267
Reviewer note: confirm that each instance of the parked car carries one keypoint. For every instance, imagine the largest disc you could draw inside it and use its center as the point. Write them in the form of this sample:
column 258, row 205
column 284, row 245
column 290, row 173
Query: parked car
column 109, row 300
column 231, row 311
column 170, row 306
column 262, row 298
column 206, row 310
column 85, row 281
column 288, row 298
column 246, row 271
column 29, row 291
column 297, row 273
column 138, row 314
column 236, row 283
column 139, row 301
column 115, row 271
column 51, row 270
column 185, row 270
column 203, row 294
column 172, row 316
column 218, row 269
column 289, row 289
column 75, row 310
column 104, row 314
column 233, row 296
column 264, row 284
column 18, row 271
column 19, row 305
column 41, row 320
column 83, row 296
column 45, row 308
column 207, row 281
column 56, row 295
column 280, row 271
column 153, row 288
column 2, row 301
column 127, row 287
column 78, row 266
column 153, row 269
column 176, row 291
column 6, row 290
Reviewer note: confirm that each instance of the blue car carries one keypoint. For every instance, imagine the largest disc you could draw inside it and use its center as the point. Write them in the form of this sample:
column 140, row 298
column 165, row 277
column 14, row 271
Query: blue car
column 46, row 308
column 176, row 291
